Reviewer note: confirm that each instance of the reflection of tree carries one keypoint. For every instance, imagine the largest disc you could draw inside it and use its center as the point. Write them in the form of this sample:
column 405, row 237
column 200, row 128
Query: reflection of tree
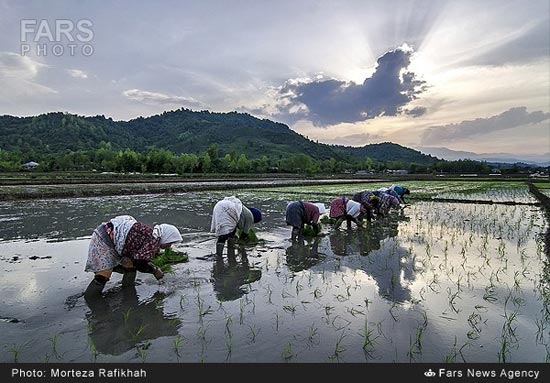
column 301, row 254
column 118, row 322
column 390, row 266
column 229, row 278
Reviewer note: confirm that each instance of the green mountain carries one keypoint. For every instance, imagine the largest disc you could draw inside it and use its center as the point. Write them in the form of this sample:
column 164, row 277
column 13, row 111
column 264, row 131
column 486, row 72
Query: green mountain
column 182, row 131
column 388, row 152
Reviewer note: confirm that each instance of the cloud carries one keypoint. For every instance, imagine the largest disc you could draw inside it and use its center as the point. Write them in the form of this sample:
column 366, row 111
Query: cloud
column 512, row 118
column 331, row 101
column 18, row 76
column 77, row 73
column 359, row 139
column 153, row 98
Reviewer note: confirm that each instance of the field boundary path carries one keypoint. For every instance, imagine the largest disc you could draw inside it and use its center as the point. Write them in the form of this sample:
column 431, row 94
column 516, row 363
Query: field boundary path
column 40, row 191
column 545, row 205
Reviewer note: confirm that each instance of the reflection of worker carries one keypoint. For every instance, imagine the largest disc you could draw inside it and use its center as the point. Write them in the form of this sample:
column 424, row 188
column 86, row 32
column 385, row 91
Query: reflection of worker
column 231, row 277
column 301, row 254
column 117, row 323
column 345, row 209
column 125, row 245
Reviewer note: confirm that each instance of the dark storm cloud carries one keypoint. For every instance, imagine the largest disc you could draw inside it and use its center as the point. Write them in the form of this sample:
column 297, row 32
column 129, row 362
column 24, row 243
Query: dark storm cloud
column 329, row 102
column 511, row 118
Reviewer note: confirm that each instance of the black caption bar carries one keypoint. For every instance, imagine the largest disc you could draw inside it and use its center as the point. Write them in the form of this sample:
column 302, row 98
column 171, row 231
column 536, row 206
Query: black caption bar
column 154, row 372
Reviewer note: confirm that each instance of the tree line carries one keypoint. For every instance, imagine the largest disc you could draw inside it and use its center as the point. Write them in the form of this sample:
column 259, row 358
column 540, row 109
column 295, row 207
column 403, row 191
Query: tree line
column 107, row 159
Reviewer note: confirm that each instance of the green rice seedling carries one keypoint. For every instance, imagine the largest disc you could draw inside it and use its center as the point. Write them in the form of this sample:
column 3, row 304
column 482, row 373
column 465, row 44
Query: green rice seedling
column 369, row 340
column 309, row 231
column 143, row 350
column 228, row 323
column 490, row 294
column 176, row 346
column 252, row 238
column 269, row 293
column 287, row 353
column 93, row 349
column 16, row 350
column 412, row 349
column 354, row 312
column 467, row 344
column 328, row 309
column 474, row 320
column 339, row 347
column 169, row 257
column 277, row 321
column 541, row 327
column 451, row 356
column 299, row 288
column 290, row 308
column 53, row 341
column 127, row 315
column 395, row 317
column 317, row 293
column 285, row 294
column 452, row 297
column 183, row 297
column 253, row 333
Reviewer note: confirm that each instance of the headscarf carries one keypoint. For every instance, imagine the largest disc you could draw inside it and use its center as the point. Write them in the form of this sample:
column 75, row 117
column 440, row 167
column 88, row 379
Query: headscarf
column 256, row 213
column 321, row 207
column 354, row 208
column 167, row 233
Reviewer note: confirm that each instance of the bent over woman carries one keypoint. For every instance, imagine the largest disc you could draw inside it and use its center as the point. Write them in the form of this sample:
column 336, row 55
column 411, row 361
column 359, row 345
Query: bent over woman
column 125, row 245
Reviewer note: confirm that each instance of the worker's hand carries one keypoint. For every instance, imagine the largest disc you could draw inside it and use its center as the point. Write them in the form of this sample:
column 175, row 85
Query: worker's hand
column 127, row 263
column 244, row 236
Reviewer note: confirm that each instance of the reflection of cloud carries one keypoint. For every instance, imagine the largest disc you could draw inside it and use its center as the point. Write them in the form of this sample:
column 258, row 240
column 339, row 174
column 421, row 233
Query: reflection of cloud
column 511, row 118
column 331, row 101
column 154, row 98
column 391, row 269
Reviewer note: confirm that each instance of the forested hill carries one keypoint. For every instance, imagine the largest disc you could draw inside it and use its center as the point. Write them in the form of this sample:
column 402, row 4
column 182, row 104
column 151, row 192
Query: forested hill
column 388, row 152
column 181, row 131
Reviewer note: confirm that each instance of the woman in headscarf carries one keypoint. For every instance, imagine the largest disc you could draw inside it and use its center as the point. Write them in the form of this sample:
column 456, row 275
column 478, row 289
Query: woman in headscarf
column 369, row 202
column 387, row 201
column 400, row 191
column 125, row 245
column 229, row 215
column 299, row 213
column 343, row 208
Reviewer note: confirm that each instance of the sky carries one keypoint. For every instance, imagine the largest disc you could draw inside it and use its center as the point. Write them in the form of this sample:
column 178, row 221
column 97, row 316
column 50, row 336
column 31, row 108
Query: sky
column 465, row 75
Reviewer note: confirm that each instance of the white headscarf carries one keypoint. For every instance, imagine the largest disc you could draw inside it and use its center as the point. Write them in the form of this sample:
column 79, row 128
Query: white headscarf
column 167, row 233
column 321, row 207
column 353, row 208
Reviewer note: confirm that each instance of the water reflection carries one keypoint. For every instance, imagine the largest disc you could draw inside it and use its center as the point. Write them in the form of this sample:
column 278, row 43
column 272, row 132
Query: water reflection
column 389, row 264
column 118, row 322
column 231, row 278
column 302, row 254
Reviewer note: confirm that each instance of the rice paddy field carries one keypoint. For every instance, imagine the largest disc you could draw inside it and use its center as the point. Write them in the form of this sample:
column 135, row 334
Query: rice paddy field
column 458, row 274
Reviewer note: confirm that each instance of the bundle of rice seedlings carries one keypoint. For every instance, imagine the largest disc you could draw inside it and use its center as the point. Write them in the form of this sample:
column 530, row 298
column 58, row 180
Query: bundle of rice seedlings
column 168, row 257
column 252, row 237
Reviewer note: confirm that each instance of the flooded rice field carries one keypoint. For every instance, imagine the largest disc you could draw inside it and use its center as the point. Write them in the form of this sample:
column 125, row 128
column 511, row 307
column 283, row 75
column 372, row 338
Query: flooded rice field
column 432, row 282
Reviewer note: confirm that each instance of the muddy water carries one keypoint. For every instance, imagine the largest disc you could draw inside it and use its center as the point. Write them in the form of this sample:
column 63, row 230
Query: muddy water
column 434, row 282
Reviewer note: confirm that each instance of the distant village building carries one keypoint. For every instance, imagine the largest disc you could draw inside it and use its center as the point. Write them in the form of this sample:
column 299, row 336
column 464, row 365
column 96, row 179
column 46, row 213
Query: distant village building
column 30, row 165
column 398, row 171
